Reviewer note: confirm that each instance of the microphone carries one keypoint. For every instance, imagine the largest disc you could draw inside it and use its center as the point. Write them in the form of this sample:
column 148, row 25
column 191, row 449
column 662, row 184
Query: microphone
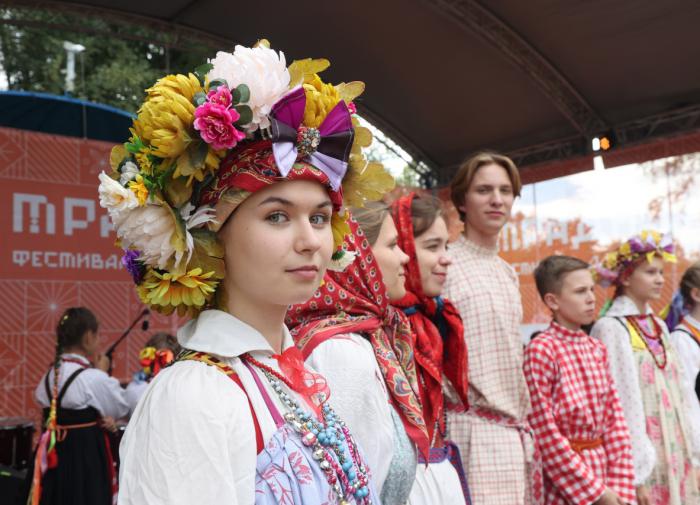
column 146, row 320
column 145, row 313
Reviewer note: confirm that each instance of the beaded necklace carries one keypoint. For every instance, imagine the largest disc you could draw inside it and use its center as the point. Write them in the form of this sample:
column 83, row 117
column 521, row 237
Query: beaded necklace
column 654, row 334
column 347, row 475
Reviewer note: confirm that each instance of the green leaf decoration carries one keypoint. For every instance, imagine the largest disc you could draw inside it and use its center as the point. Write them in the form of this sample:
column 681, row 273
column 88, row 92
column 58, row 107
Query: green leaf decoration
column 198, row 154
column 135, row 145
column 243, row 92
column 246, row 114
column 163, row 177
column 178, row 192
column 208, row 252
column 199, row 186
column 199, row 98
column 215, row 83
column 202, row 71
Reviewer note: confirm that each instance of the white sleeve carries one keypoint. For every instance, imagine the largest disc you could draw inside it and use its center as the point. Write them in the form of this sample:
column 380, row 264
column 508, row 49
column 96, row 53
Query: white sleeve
column 687, row 353
column 359, row 396
column 133, row 392
column 190, row 440
column 624, row 371
column 105, row 394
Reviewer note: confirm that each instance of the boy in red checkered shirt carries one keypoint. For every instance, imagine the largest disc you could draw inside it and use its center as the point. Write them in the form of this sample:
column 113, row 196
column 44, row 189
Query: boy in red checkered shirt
column 576, row 415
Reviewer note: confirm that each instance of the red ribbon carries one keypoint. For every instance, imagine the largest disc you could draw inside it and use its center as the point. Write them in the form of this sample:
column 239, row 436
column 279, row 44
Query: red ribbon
column 308, row 384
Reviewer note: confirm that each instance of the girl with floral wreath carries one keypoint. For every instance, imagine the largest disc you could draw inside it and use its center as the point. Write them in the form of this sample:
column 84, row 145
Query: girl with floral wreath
column 647, row 373
column 229, row 200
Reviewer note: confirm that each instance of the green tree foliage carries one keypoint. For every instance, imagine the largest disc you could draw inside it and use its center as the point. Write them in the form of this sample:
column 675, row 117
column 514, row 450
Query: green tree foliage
column 112, row 70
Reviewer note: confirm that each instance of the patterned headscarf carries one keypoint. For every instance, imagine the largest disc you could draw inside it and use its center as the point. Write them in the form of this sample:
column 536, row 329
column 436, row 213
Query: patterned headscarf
column 437, row 328
column 252, row 169
column 355, row 301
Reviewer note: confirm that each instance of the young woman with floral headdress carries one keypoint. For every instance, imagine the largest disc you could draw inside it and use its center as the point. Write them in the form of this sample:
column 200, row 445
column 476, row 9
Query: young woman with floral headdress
column 350, row 333
column 647, row 373
column 440, row 349
column 230, row 192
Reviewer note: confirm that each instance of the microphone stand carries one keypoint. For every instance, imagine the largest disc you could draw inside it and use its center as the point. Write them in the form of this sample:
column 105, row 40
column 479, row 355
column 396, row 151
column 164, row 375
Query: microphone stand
column 112, row 348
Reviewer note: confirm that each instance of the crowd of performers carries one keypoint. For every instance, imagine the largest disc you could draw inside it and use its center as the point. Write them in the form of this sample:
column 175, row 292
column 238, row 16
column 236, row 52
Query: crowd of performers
column 339, row 351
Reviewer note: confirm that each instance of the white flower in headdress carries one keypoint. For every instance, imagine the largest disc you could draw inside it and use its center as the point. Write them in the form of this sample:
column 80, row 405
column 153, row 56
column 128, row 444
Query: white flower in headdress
column 196, row 219
column 114, row 197
column 129, row 171
column 341, row 263
column 152, row 230
column 265, row 73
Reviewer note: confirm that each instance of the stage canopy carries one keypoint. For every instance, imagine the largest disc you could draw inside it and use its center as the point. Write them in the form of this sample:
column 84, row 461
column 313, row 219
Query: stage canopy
column 536, row 79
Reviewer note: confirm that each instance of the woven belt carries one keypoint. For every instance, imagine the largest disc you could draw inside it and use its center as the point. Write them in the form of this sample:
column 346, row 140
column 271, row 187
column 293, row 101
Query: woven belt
column 62, row 429
column 585, row 445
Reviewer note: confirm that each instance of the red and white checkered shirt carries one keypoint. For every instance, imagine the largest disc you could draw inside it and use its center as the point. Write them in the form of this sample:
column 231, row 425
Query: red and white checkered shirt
column 497, row 449
column 574, row 401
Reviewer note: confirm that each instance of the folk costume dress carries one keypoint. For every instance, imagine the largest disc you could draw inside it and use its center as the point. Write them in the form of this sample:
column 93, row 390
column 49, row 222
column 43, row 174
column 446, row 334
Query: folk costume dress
column 649, row 381
column 363, row 346
column 577, row 418
column 441, row 363
column 219, row 396
column 686, row 339
column 84, row 473
column 493, row 436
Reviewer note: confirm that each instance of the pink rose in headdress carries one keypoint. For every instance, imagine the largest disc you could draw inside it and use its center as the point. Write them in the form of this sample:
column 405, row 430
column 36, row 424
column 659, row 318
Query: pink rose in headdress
column 647, row 372
column 215, row 125
column 221, row 95
column 654, row 428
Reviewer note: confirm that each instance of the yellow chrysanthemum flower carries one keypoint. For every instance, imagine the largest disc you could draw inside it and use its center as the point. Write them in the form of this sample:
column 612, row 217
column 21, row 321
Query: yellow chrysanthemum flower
column 165, row 119
column 187, row 292
column 340, row 228
column 625, row 249
column 139, row 189
column 144, row 161
column 185, row 168
column 320, row 100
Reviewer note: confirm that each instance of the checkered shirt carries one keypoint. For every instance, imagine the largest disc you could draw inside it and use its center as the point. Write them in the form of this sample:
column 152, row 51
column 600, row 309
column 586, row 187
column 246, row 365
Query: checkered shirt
column 574, row 399
column 484, row 288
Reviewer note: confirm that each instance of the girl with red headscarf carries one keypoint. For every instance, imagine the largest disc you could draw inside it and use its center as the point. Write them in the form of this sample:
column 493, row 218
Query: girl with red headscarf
column 363, row 346
column 440, row 349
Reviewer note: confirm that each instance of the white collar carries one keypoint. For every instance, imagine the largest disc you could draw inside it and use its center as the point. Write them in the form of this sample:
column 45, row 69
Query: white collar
column 624, row 306
column 475, row 248
column 218, row 332
column 78, row 357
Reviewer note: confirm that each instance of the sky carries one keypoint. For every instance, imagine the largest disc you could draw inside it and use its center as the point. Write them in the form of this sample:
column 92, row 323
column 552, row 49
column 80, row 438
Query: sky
column 615, row 202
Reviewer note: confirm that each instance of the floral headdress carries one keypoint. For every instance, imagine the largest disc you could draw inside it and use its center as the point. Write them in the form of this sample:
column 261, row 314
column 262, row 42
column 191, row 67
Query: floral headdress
column 242, row 121
column 646, row 245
